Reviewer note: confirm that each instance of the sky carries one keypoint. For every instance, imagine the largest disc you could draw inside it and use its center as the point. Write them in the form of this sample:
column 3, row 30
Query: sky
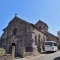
column 32, row 11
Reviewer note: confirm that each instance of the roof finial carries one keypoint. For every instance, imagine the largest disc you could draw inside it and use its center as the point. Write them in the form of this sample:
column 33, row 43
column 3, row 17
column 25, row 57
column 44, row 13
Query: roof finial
column 15, row 15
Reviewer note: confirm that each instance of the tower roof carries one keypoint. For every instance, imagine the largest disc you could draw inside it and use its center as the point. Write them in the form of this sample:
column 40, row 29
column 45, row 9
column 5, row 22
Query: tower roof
column 41, row 22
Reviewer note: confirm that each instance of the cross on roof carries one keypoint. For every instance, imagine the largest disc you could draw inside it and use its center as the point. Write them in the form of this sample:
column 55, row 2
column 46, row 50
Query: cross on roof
column 15, row 14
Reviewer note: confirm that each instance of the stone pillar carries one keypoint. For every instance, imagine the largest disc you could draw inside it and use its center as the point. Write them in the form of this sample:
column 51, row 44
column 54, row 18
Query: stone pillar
column 22, row 51
column 13, row 52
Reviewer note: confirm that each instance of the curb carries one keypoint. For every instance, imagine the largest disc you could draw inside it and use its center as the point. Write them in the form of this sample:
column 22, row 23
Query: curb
column 36, row 57
column 31, row 58
column 21, row 59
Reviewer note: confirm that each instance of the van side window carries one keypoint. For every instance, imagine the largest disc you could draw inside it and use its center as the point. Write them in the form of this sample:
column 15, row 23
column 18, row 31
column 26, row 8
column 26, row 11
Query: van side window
column 55, row 44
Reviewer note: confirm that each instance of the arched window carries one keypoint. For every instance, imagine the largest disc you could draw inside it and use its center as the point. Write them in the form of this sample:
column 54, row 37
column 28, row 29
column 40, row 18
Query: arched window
column 43, row 39
column 14, row 31
column 38, row 37
column 40, row 27
column 39, row 42
column 35, row 40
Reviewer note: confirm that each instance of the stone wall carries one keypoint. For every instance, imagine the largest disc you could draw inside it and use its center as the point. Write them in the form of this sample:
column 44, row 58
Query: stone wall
column 38, row 39
column 22, row 38
column 6, row 57
column 42, row 26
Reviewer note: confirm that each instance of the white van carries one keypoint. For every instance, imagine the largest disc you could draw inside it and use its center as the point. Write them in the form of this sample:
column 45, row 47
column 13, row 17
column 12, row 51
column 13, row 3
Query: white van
column 50, row 46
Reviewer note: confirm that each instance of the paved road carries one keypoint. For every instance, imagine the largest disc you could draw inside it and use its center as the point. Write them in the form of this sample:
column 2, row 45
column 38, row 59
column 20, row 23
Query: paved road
column 49, row 56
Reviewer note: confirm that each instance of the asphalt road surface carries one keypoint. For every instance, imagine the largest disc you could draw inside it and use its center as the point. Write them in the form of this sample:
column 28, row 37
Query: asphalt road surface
column 49, row 56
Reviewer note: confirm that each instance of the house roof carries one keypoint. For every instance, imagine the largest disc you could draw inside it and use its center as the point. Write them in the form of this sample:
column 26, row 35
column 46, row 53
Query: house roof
column 52, row 35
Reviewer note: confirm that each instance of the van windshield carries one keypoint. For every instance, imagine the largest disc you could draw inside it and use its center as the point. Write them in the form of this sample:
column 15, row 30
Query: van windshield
column 48, row 43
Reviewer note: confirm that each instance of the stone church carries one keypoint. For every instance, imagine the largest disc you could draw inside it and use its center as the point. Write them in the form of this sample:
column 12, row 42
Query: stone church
column 27, row 37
